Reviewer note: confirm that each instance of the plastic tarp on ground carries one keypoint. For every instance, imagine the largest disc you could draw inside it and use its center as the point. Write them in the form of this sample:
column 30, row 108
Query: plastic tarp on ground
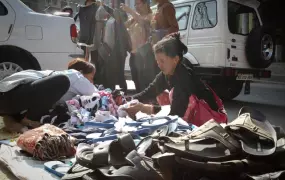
column 23, row 167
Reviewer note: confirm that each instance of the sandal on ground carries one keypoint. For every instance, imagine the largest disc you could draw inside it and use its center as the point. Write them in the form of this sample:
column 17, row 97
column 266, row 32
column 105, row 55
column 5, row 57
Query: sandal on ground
column 138, row 168
column 256, row 134
column 208, row 142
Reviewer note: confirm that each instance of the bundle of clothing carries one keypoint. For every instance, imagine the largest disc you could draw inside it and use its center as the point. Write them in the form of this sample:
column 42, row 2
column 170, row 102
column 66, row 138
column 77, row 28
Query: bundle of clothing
column 82, row 109
column 47, row 143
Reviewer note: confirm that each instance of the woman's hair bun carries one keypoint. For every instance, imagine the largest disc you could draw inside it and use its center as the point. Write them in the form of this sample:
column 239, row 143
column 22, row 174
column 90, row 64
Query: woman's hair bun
column 171, row 45
column 181, row 45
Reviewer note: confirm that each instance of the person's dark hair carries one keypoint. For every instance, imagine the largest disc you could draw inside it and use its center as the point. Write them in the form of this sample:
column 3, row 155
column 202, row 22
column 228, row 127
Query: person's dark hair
column 81, row 65
column 171, row 46
column 148, row 5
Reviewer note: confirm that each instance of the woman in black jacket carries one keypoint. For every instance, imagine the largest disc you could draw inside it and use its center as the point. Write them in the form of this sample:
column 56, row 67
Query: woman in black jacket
column 176, row 74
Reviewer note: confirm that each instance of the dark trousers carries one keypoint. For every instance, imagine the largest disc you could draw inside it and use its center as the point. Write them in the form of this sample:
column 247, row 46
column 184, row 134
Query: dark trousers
column 36, row 97
column 114, row 72
column 135, row 70
column 143, row 69
column 95, row 60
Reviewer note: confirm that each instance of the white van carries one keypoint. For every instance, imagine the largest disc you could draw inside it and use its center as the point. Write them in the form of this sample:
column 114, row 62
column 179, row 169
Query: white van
column 227, row 42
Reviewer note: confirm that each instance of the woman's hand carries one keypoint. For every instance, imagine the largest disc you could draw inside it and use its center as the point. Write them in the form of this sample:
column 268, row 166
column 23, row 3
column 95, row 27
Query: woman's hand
column 125, row 8
column 135, row 108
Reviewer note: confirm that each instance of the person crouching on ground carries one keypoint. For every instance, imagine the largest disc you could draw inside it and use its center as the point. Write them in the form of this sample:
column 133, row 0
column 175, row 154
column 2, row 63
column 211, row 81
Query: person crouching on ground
column 28, row 95
column 176, row 75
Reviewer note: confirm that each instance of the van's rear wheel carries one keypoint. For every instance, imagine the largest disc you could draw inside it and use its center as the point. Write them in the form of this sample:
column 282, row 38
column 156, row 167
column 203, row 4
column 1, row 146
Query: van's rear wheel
column 260, row 47
column 227, row 89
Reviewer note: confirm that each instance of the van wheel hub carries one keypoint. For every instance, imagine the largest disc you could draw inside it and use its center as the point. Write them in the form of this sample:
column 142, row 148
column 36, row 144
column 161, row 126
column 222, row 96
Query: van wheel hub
column 267, row 47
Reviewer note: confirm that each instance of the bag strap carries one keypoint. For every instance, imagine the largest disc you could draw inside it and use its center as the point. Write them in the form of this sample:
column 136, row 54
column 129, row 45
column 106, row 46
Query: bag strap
column 217, row 98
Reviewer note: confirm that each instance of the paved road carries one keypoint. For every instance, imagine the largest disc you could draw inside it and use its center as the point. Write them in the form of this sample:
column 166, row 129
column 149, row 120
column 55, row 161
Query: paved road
column 268, row 98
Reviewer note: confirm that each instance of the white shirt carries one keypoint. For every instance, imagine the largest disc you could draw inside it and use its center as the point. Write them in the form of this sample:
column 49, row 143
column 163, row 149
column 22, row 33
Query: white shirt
column 79, row 85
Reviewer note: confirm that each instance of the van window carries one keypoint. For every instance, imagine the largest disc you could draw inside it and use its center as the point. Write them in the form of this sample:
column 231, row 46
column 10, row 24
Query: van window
column 182, row 16
column 241, row 19
column 205, row 15
column 3, row 10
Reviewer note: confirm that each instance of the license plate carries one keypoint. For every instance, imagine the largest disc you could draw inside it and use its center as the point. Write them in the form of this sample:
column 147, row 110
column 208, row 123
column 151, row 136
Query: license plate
column 244, row 77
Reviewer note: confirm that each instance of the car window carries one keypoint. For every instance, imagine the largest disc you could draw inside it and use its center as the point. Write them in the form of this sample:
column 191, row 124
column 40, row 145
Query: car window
column 3, row 10
column 182, row 16
column 241, row 19
column 205, row 15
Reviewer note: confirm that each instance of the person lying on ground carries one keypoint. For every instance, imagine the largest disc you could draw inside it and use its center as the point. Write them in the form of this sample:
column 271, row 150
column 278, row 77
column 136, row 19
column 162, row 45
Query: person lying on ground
column 28, row 95
column 176, row 75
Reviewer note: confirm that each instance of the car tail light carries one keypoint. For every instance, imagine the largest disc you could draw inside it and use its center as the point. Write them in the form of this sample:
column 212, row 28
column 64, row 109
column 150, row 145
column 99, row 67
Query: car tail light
column 229, row 72
column 266, row 74
column 73, row 33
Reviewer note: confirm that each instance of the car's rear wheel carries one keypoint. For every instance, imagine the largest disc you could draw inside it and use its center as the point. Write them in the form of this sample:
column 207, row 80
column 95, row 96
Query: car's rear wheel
column 9, row 68
column 13, row 60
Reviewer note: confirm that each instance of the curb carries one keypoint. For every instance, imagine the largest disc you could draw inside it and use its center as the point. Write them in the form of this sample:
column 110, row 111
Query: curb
column 268, row 82
column 275, row 79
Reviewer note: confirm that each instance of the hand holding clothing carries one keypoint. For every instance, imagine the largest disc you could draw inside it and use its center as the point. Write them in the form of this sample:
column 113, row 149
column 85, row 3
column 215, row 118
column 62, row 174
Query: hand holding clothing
column 135, row 108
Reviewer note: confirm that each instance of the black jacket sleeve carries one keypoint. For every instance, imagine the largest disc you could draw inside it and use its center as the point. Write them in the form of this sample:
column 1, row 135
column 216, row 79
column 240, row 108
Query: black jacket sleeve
column 179, row 104
column 158, row 85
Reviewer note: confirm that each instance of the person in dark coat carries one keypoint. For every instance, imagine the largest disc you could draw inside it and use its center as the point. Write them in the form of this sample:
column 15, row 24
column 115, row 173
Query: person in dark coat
column 118, row 44
column 176, row 75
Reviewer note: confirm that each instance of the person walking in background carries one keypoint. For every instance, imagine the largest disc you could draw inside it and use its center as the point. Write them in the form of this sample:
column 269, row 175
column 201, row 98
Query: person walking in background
column 164, row 21
column 138, row 27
